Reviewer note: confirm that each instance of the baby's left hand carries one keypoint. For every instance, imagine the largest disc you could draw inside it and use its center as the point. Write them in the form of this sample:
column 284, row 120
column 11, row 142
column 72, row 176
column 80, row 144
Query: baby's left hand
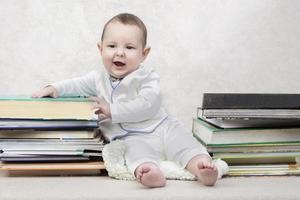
column 101, row 107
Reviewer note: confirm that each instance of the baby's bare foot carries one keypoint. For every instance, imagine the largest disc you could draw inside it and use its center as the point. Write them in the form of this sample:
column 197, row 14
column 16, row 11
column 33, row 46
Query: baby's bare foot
column 150, row 175
column 207, row 173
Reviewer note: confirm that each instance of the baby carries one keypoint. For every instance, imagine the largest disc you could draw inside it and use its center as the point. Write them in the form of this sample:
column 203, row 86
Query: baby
column 128, row 103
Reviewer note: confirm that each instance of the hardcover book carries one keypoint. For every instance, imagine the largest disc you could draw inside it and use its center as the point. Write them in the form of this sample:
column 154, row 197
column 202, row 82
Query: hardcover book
column 46, row 108
column 264, row 170
column 209, row 134
column 237, row 122
column 36, row 124
column 250, row 101
column 35, row 134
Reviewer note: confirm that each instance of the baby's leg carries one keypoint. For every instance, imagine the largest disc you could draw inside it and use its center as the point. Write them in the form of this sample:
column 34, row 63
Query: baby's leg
column 150, row 175
column 204, row 169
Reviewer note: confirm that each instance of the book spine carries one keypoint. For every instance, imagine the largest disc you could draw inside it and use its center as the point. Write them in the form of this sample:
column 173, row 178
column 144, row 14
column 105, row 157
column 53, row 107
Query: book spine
column 202, row 131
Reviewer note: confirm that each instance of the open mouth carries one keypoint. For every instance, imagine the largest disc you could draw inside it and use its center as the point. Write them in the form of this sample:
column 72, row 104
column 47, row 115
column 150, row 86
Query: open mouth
column 118, row 63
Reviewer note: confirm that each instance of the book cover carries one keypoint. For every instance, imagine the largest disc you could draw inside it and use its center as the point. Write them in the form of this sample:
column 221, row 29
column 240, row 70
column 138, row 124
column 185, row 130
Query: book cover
column 250, row 101
column 46, row 108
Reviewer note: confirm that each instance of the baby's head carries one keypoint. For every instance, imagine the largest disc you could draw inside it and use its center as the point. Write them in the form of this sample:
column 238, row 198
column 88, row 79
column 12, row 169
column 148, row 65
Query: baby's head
column 123, row 44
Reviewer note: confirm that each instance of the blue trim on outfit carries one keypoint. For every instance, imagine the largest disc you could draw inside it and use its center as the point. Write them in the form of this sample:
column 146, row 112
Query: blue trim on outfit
column 124, row 129
column 113, row 89
column 139, row 131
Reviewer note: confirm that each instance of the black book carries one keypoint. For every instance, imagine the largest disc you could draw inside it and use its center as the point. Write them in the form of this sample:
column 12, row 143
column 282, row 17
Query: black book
column 250, row 101
column 240, row 110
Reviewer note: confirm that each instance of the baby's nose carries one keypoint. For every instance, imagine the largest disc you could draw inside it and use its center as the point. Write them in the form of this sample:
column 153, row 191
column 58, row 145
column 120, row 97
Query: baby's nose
column 120, row 52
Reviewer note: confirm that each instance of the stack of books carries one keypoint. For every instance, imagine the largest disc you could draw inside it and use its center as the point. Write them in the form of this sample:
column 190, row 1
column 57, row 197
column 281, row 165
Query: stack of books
column 55, row 135
column 256, row 134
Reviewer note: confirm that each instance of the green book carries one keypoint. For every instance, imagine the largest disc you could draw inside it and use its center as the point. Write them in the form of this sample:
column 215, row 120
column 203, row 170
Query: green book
column 264, row 147
column 213, row 136
column 258, row 158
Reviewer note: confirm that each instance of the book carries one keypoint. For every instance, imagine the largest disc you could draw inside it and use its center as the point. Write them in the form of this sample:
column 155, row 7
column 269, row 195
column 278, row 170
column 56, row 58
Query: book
column 212, row 135
column 44, row 158
column 90, row 168
column 36, row 124
column 59, row 172
column 46, row 108
column 53, row 166
column 264, row 170
column 258, row 158
column 22, row 134
column 47, row 152
column 52, row 141
column 53, row 145
column 236, row 122
column 251, row 113
column 235, row 110
column 250, row 101
column 270, row 147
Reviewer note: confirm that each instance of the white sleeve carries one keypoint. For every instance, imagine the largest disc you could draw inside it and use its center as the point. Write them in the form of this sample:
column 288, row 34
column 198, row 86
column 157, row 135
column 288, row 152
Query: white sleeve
column 80, row 86
column 143, row 107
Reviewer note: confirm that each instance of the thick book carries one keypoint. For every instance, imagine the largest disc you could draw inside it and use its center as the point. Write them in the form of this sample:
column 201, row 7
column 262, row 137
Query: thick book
column 250, row 101
column 264, row 170
column 57, row 152
column 44, row 159
column 52, row 169
column 258, row 158
column 247, row 122
column 53, row 166
column 251, row 113
column 37, row 124
column 212, row 135
column 35, row 134
column 46, row 108
column 52, row 145
column 251, row 148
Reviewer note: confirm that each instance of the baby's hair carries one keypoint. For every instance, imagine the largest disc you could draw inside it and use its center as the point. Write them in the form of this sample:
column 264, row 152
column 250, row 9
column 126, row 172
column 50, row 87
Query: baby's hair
column 130, row 19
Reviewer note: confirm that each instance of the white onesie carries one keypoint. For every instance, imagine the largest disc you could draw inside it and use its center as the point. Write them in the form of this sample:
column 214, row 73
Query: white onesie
column 138, row 118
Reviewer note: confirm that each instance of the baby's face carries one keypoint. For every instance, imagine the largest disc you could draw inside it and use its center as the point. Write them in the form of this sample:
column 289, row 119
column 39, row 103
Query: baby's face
column 122, row 49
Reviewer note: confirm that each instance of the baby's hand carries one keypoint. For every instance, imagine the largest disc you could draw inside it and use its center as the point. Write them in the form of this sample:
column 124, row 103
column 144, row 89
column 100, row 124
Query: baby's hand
column 46, row 91
column 102, row 108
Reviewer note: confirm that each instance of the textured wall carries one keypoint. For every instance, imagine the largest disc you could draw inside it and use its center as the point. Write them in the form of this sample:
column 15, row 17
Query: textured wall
column 197, row 46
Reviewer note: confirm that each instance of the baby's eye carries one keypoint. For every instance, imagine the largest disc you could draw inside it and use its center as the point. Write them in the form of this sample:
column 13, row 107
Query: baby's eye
column 111, row 46
column 130, row 47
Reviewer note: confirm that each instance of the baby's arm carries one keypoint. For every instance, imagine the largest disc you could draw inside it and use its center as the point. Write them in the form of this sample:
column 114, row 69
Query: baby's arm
column 146, row 104
column 80, row 86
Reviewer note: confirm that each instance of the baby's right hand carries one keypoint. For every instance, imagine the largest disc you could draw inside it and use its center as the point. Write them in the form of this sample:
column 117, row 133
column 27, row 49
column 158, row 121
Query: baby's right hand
column 46, row 91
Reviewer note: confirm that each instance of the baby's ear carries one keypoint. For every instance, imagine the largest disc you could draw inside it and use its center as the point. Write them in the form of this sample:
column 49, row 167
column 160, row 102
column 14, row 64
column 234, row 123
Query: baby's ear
column 146, row 51
column 99, row 45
